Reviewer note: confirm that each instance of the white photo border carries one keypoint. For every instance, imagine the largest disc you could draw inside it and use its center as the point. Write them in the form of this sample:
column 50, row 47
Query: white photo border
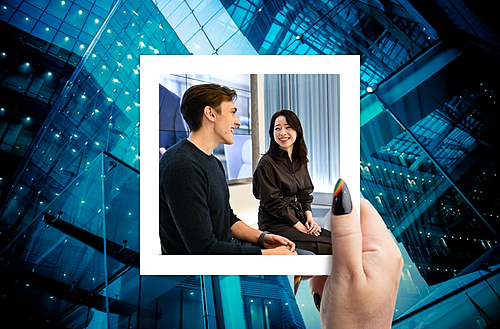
column 151, row 66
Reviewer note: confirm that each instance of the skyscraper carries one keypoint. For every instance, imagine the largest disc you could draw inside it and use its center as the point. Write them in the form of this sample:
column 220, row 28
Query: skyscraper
column 69, row 179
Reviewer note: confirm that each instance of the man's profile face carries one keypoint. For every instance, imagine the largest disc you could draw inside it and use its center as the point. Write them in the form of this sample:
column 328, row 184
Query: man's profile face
column 226, row 121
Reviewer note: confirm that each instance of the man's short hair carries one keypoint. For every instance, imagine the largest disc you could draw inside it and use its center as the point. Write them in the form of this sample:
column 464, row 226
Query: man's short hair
column 197, row 97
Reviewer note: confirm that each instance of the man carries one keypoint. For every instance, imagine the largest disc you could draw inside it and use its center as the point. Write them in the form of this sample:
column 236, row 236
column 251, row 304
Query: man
column 195, row 214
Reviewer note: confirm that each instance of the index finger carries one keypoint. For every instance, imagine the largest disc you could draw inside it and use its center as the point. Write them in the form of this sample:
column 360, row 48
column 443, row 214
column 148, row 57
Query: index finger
column 286, row 242
column 346, row 233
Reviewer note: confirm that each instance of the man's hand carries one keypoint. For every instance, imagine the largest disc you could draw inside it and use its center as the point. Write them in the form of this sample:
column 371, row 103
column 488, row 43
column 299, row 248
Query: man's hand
column 283, row 250
column 366, row 268
column 274, row 244
column 274, row 241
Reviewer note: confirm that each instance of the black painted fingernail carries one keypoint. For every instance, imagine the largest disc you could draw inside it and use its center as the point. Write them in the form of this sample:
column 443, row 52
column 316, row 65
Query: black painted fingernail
column 341, row 204
column 317, row 300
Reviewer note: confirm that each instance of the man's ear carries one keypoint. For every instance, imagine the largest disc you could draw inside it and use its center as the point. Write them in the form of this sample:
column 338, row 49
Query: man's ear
column 209, row 113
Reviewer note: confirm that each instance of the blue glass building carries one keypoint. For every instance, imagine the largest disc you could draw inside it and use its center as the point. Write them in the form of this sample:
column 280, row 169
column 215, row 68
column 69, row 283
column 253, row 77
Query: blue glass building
column 69, row 144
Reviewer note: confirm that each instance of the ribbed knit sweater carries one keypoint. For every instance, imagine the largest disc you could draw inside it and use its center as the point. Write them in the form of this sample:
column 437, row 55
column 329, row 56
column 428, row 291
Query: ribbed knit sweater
column 195, row 214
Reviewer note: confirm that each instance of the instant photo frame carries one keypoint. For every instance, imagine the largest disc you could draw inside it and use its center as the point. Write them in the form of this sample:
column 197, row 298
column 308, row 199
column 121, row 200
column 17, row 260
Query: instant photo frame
column 151, row 66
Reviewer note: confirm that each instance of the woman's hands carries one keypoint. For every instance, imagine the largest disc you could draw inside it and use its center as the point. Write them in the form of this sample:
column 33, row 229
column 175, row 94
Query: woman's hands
column 299, row 226
column 311, row 227
column 366, row 268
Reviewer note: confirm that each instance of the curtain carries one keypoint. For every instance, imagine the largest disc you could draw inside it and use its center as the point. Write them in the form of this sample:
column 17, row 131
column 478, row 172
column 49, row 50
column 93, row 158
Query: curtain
column 315, row 100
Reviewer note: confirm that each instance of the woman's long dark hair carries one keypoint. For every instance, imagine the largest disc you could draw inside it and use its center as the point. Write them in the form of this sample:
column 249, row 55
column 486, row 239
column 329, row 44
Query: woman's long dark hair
column 299, row 147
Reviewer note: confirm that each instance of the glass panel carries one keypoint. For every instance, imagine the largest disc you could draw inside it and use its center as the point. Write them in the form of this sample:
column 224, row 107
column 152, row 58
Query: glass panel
column 121, row 202
column 178, row 15
column 452, row 127
column 69, row 257
column 57, row 264
column 219, row 28
column 93, row 24
column 200, row 44
column 77, row 16
column 155, row 301
column 6, row 12
column 260, row 302
column 43, row 31
column 50, row 20
column 237, row 44
column 63, row 40
column 23, row 21
column 470, row 301
column 58, row 9
column 440, row 231
column 30, row 10
column 204, row 10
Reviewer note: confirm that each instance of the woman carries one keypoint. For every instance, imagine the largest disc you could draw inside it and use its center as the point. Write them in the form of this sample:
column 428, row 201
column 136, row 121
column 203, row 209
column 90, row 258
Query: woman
column 283, row 185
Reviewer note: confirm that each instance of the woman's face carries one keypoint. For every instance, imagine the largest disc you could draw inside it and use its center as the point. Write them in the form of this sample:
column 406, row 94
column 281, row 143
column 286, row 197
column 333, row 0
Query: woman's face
column 284, row 134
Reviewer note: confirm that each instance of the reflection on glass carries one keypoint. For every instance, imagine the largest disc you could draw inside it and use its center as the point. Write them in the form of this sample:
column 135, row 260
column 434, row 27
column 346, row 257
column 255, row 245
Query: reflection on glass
column 436, row 227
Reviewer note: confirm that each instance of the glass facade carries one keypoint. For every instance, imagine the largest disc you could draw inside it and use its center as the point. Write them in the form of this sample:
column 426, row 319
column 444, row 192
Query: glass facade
column 69, row 181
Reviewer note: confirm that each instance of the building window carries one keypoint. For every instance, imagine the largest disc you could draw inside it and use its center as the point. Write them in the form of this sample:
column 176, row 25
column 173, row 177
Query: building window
column 262, row 313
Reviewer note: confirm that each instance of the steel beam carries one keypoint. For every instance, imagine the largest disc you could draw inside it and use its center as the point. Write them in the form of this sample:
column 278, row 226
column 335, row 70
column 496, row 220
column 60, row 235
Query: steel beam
column 113, row 250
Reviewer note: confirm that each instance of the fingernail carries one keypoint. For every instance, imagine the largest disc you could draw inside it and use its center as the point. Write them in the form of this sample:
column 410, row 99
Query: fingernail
column 296, row 284
column 317, row 300
column 341, row 204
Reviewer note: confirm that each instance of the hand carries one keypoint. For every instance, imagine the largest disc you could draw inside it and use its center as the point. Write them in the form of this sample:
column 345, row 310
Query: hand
column 312, row 227
column 366, row 268
column 299, row 226
column 273, row 241
column 283, row 250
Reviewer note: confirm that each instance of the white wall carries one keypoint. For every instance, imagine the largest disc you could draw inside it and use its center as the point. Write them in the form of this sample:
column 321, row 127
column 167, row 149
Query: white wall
column 244, row 204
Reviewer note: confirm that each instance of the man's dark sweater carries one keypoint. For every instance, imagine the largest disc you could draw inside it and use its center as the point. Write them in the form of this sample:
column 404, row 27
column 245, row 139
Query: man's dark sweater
column 195, row 214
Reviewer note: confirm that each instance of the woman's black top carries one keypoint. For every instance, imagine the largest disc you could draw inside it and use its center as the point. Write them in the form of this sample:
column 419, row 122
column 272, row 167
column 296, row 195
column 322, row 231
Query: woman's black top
column 284, row 189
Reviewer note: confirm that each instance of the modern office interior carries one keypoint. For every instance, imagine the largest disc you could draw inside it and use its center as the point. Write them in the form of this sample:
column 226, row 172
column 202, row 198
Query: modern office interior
column 70, row 173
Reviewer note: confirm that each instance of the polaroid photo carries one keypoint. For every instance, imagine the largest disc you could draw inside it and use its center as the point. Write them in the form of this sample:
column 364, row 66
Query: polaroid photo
column 163, row 79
